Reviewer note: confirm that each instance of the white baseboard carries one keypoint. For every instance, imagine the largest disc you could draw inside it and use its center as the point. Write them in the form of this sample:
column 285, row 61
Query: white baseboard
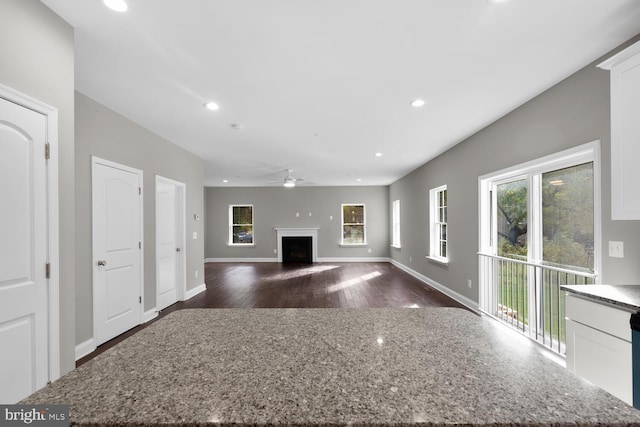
column 469, row 303
column 149, row 315
column 241, row 260
column 354, row 259
column 320, row 259
column 85, row 348
column 195, row 291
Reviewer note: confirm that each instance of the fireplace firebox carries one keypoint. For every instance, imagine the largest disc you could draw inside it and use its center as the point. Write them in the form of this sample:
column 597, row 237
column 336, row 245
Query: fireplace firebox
column 297, row 249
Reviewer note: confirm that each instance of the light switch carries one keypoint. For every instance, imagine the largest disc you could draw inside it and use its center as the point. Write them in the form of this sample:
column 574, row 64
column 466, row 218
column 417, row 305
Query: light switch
column 195, row 235
column 616, row 249
column 309, row 213
column 297, row 214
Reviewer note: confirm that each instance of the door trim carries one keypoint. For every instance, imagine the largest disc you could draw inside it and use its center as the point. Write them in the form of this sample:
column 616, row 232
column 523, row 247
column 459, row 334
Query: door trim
column 181, row 287
column 53, row 224
column 99, row 161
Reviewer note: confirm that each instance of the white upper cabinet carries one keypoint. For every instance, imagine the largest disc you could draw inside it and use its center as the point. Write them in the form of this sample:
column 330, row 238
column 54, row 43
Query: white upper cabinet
column 625, row 132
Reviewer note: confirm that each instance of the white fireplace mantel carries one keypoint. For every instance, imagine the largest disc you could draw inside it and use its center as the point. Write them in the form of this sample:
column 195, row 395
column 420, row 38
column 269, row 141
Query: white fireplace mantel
column 297, row 232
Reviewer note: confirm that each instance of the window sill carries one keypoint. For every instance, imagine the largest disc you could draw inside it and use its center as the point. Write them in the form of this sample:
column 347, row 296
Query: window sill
column 396, row 246
column 352, row 245
column 443, row 261
column 241, row 245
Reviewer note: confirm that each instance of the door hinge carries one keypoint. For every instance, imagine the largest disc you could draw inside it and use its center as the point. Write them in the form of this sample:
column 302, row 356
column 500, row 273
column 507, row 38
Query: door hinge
column 140, row 300
column 139, row 190
column 47, row 270
column 47, row 151
column 139, row 245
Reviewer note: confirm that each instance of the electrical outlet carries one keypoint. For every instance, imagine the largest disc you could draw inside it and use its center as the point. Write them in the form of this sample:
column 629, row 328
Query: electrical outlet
column 275, row 251
column 410, row 259
column 195, row 235
column 330, row 217
column 297, row 214
column 469, row 283
column 309, row 213
column 196, row 274
column 369, row 250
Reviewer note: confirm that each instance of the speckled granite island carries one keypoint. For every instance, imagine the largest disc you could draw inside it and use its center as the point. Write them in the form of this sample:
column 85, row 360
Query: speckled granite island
column 428, row 366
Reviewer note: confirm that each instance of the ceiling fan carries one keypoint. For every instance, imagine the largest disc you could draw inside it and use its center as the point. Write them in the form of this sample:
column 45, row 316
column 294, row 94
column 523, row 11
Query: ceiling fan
column 289, row 180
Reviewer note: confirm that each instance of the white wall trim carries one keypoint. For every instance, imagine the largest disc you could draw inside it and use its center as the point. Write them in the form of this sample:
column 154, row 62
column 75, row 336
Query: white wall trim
column 469, row 303
column 53, row 234
column 149, row 315
column 320, row 259
column 85, row 348
column 195, row 291
column 241, row 260
column 354, row 259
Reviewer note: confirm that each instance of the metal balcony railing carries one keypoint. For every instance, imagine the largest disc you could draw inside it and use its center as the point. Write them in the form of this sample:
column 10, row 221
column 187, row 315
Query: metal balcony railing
column 527, row 296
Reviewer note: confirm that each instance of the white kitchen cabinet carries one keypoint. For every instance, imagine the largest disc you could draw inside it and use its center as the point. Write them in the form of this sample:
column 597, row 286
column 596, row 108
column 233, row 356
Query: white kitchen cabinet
column 625, row 132
column 599, row 345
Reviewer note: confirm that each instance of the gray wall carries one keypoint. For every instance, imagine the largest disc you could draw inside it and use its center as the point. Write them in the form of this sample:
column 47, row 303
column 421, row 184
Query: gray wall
column 277, row 207
column 571, row 113
column 36, row 58
column 103, row 133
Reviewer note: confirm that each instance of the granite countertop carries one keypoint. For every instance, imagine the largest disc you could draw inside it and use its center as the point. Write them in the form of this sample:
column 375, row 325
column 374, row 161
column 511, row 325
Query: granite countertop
column 626, row 296
column 428, row 366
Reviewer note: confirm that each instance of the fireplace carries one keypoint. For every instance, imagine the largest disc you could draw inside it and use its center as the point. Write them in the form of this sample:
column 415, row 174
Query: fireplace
column 297, row 249
column 309, row 234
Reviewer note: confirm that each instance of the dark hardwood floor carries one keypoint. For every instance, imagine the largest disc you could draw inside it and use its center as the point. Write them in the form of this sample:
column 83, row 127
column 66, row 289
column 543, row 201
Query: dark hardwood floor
column 320, row 285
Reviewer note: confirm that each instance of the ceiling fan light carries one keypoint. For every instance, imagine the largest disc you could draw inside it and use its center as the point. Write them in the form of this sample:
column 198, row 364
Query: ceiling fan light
column 289, row 183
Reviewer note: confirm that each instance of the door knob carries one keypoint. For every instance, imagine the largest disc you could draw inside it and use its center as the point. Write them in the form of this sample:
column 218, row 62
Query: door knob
column 177, row 249
column 102, row 263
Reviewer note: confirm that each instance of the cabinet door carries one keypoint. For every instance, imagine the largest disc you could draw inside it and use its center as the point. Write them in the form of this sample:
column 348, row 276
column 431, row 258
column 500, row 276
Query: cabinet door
column 625, row 134
column 601, row 359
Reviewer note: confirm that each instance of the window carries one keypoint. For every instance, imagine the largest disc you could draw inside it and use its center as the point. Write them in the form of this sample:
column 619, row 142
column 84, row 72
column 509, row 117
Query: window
column 539, row 231
column 395, row 219
column 353, row 225
column 439, row 250
column 241, row 225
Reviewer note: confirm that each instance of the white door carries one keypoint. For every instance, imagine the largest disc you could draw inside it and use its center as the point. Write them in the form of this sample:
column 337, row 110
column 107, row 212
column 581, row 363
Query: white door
column 23, row 252
column 117, row 249
column 170, row 254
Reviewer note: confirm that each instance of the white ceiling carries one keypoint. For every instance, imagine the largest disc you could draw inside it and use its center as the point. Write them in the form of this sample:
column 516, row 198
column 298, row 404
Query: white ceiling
column 319, row 86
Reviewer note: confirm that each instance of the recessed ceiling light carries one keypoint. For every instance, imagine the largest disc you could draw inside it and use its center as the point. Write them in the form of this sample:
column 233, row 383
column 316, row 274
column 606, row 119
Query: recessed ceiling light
column 117, row 5
column 212, row 106
column 417, row 103
column 358, row 179
column 497, row 1
column 378, row 154
column 225, row 180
